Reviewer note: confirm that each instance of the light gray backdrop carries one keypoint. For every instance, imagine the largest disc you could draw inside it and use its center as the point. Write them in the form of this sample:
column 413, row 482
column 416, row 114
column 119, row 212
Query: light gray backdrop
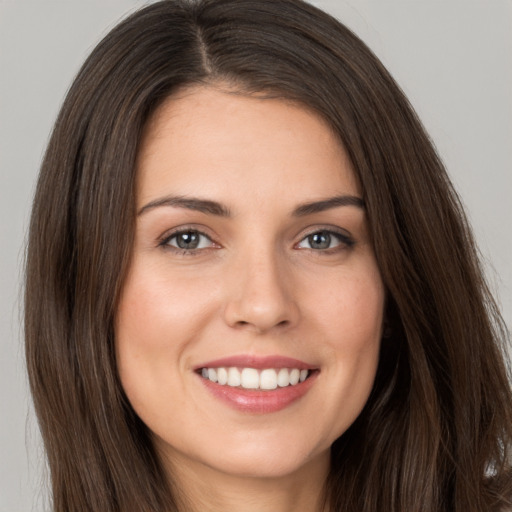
column 452, row 57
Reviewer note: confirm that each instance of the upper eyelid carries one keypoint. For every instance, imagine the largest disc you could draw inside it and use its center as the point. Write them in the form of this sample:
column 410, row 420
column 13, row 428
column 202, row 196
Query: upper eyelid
column 326, row 228
column 202, row 230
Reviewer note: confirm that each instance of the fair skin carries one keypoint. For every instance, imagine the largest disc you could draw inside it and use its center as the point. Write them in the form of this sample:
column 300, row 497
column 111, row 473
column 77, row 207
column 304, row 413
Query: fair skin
column 251, row 244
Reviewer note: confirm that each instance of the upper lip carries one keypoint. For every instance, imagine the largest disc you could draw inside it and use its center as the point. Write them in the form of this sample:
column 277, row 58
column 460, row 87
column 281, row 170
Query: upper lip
column 258, row 362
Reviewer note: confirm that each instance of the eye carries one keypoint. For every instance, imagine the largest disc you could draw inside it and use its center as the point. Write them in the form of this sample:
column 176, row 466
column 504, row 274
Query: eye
column 324, row 240
column 188, row 240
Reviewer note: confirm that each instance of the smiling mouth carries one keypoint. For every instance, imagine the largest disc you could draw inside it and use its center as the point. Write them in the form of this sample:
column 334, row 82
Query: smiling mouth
column 265, row 379
column 257, row 384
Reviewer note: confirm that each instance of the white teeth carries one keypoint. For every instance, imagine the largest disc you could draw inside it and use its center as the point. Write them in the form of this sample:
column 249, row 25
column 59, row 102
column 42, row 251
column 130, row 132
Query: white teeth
column 268, row 379
column 294, row 376
column 222, row 376
column 234, row 377
column 251, row 378
column 283, row 378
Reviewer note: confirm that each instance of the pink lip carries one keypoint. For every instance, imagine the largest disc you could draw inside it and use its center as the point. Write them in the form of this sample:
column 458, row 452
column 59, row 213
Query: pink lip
column 258, row 362
column 259, row 402
column 256, row 401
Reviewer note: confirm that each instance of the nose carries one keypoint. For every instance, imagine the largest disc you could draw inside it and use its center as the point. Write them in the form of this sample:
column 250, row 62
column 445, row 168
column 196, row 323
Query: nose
column 261, row 294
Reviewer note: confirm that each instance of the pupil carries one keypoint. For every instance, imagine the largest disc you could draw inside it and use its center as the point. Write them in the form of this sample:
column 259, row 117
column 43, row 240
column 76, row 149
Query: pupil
column 320, row 240
column 188, row 240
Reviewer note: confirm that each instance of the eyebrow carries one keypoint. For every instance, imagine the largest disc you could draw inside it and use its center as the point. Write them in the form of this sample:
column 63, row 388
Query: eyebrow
column 214, row 208
column 327, row 204
column 190, row 203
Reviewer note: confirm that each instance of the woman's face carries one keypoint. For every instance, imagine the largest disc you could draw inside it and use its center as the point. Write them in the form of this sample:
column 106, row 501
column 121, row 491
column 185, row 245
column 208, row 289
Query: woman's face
column 249, row 325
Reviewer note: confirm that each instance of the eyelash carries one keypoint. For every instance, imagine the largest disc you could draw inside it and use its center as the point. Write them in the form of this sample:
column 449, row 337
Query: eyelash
column 345, row 241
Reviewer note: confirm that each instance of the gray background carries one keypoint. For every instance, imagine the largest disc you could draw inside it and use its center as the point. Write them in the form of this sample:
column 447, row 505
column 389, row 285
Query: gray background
column 453, row 58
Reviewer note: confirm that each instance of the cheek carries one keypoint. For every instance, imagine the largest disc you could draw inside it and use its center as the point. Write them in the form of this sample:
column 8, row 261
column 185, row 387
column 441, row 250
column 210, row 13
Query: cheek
column 157, row 320
column 350, row 322
column 159, row 312
column 352, row 311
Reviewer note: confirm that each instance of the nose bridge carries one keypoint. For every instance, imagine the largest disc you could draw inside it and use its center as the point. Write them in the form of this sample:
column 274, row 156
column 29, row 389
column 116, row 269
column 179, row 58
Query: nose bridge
column 261, row 295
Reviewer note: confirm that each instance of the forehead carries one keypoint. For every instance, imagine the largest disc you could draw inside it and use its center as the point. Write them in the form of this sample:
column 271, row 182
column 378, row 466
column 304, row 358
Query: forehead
column 209, row 141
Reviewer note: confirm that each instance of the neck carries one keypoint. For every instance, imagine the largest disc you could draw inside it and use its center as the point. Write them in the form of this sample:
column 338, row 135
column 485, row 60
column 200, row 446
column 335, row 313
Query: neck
column 200, row 488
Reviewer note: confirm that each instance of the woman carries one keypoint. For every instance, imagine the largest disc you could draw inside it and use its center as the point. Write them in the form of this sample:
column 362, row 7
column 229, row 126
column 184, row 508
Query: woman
column 250, row 284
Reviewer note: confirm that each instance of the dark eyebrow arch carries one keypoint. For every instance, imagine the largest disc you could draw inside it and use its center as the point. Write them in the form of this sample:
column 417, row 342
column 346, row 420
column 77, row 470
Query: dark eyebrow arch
column 190, row 203
column 327, row 204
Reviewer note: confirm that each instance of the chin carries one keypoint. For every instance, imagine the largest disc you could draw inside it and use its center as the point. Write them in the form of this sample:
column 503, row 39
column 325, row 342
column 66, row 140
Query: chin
column 278, row 458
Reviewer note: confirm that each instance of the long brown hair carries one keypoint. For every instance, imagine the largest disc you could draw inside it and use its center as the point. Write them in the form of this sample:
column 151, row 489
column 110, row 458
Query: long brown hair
column 436, row 433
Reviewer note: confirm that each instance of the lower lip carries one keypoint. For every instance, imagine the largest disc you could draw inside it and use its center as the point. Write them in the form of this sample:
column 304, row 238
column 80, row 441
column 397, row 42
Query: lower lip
column 259, row 402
